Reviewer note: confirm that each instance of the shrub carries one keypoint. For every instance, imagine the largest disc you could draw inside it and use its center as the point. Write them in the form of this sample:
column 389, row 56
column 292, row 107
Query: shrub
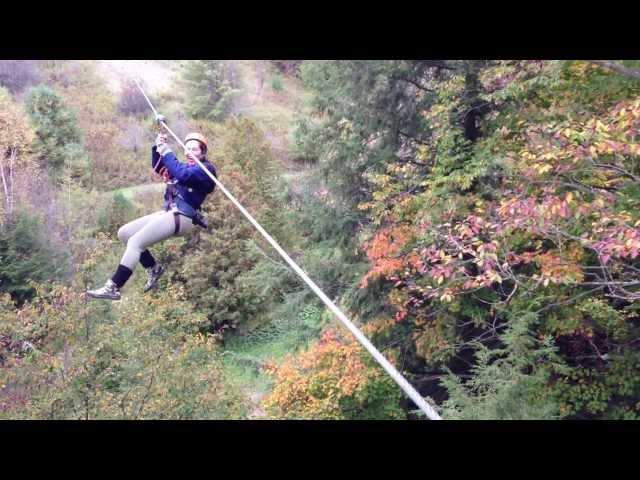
column 72, row 359
column 26, row 256
column 115, row 213
column 333, row 379
column 276, row 83
column 287, row 67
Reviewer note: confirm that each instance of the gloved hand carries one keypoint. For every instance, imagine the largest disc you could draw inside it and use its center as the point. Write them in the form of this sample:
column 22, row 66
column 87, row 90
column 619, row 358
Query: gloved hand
column 161, row 144
column 164, row 173
column 160, row 118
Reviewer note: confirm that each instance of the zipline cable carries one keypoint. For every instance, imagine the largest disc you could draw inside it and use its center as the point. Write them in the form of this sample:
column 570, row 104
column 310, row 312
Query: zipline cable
column 384, row 363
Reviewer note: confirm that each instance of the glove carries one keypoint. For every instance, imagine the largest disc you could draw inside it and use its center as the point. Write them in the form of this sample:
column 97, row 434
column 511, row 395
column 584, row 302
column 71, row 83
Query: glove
column 161, row 145
column 164, row 173
column 163, row 149
column 160, row 118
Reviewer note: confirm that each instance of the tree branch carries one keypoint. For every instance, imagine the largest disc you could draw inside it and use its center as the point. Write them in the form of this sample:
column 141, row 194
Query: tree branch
column 416, row 84
column 413, row 138
column 618, row 68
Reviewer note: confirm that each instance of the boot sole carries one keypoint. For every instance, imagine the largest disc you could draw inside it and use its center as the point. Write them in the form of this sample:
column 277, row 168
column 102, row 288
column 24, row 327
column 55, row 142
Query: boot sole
column 103, row 297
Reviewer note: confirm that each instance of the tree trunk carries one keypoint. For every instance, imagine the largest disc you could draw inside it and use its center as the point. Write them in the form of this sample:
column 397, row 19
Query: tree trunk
column 11, row 177
column 4, row 184
column 472, row 102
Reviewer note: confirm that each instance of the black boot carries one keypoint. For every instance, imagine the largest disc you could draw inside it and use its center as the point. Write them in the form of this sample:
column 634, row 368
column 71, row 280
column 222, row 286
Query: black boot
column 154, row 273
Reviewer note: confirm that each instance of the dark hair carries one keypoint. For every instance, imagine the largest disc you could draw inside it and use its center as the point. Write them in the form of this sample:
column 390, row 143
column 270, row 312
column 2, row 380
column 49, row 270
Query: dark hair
column 203, row 147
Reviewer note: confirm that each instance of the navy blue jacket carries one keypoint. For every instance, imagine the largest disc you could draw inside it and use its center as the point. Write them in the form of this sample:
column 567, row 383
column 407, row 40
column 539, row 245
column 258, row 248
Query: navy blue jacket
column 193, row 185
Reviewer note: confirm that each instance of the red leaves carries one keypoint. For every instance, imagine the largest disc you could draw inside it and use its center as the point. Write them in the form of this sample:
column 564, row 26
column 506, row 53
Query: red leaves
column 541, row 228
column 400, row 316
column 620, row 242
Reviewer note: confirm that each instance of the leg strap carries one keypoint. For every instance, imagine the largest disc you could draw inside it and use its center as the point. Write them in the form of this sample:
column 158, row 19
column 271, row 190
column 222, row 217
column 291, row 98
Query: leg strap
column 176, row 219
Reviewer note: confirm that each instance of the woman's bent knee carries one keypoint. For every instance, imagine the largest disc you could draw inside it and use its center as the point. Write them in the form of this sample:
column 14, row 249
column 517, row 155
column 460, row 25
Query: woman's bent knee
column 123, row 235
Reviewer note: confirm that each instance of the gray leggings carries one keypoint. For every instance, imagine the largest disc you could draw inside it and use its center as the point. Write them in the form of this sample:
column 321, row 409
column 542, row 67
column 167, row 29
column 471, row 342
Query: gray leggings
column 145, row 231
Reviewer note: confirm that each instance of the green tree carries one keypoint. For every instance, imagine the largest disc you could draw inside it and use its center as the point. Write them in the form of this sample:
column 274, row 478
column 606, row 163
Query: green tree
column 209, row 88
column 27, row 256
column 58, row 138
column 216, row 265
column 510, row 382
column 115, row 213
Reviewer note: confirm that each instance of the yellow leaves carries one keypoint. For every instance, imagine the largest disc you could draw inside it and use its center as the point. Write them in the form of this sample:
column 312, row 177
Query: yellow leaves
column 543, row 168
column 601, row 127
column 494, row 276
column 446, row 297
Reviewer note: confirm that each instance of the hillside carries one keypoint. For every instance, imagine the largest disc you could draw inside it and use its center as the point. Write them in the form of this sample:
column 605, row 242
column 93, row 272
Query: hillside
column 477, row 220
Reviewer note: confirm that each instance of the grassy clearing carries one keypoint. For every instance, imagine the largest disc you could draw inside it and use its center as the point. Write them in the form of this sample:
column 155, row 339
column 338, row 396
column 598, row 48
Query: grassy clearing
column 274, row 111
column 244, row 358
column 130, row 193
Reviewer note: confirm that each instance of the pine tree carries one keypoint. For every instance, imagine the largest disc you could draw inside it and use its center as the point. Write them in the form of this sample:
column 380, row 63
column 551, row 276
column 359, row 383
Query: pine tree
column 509, row 382
column 209, row 89
column 58, row 138
column 25, row 256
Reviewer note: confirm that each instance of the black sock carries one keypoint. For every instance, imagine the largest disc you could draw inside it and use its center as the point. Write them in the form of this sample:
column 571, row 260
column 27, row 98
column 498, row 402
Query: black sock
column 121, row 276
column 147, row 260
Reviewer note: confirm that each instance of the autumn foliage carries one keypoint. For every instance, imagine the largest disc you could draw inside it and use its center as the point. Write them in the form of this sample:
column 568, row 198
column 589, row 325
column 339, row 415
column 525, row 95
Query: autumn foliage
column 334, row 379
column 529, row 210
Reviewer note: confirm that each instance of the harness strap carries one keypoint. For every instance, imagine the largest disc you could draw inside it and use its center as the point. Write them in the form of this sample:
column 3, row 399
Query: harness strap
column 176, row 219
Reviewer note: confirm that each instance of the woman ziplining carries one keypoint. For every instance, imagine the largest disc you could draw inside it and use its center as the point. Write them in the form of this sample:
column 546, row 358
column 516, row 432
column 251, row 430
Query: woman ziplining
column 187, row 187
column 188, row 174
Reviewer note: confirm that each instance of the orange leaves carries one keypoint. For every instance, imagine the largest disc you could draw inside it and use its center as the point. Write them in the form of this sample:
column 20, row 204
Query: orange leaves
column 557, row 268
column 384, row 251
column 315, row 383
column 389, row 241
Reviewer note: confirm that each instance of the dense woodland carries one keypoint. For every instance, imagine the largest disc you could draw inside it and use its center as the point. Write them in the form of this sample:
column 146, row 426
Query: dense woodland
column 478, row 220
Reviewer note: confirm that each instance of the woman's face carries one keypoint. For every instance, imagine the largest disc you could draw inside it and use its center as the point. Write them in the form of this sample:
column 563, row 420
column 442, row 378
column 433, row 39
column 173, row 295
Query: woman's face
column 193, row 149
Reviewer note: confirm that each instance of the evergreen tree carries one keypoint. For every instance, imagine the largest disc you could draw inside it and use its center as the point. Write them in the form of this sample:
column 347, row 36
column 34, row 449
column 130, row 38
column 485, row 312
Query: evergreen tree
column 115, row 213
column 26, row 256
column 58, row 138
column 508, row 382
column 209, row 89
